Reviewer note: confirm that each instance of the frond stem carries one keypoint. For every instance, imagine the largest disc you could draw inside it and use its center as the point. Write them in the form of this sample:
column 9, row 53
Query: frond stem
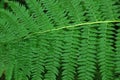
column 71, row 26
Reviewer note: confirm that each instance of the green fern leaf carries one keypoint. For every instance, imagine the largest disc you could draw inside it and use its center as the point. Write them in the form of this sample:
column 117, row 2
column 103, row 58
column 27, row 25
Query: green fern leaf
column 35, row 9
column 11, row 30
column 24, row 17
column 117, row 57
column 60, row 40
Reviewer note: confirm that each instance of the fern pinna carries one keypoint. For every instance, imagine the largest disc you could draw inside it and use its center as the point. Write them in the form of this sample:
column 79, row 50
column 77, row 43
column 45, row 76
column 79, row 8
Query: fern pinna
column 60, row 40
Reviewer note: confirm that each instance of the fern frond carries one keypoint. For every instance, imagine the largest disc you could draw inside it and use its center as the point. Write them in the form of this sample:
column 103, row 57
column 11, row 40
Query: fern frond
column 7, row 56
column 35, row 9
column 69, row 55
column 106, row 53
column 14, row 30
column 74, row 10
column 92, row 10
column 112, row 9
column 86, row 60
column 23, row 60
column 106, row 31
column 24, row 17
column 37, row 67
column 56, row 14
column 60, row 40
column 87, row 54
column 117, row 57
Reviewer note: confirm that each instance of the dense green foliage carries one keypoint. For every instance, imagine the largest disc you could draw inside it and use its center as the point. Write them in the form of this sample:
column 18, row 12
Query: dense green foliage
column 60, row 40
